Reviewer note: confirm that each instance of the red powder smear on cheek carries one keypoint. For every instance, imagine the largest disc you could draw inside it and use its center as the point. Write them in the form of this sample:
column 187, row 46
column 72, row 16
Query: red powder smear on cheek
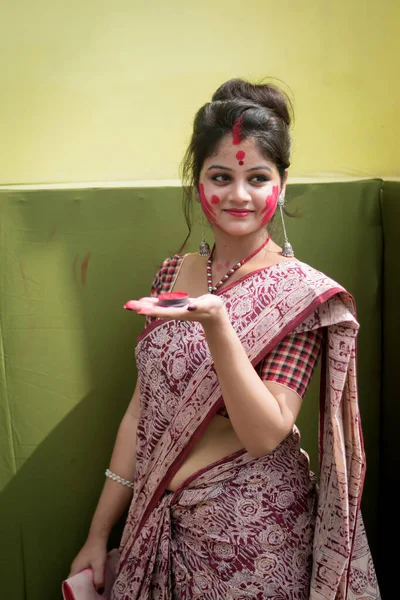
column 237, row 131
column 240, row 156
column 215, row 199
column 207, row 208
column 270, row 206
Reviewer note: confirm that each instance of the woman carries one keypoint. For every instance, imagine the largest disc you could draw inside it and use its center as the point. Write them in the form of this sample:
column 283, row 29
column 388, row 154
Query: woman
column 224, row 504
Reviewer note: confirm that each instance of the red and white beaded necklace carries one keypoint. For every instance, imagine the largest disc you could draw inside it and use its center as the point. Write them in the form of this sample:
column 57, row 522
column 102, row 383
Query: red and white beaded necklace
column 213, row 288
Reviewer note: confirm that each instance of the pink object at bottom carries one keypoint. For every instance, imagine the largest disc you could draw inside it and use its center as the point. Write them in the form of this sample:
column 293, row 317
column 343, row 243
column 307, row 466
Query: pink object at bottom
column 80, row 586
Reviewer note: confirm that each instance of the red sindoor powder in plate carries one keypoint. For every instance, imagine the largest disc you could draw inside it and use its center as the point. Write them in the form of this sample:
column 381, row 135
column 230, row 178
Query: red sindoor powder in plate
column 173, row 299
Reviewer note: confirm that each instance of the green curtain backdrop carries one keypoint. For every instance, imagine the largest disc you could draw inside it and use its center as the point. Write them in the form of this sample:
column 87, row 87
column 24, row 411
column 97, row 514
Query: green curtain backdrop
column 70, row 259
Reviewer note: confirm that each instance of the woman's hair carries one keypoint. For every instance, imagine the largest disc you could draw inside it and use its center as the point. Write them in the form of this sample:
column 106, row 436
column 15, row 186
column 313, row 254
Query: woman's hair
column 265, row 114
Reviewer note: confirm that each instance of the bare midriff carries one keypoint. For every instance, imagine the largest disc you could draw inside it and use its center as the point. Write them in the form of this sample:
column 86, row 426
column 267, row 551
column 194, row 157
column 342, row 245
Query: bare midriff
column 218, row 440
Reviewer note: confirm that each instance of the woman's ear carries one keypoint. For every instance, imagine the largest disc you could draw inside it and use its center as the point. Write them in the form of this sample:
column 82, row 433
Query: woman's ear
column 196, row 195
column 284, row 182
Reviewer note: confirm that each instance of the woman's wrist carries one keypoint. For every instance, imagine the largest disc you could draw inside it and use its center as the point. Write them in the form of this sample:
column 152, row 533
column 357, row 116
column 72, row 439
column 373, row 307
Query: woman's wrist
column 217, row 320
column 98, row 536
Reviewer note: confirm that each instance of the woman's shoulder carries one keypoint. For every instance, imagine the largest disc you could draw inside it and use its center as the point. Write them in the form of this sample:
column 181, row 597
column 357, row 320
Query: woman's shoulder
column 312, row 275
column 296, row 265
column 293, row 273
column 322, row 286
column 173, row 263
column 166, row 273
column 307, row 284
column 170, row 264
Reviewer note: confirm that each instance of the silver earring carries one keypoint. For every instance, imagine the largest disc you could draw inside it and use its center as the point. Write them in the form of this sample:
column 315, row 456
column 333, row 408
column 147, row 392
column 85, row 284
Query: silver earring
column 287, row 249
column 204, row 248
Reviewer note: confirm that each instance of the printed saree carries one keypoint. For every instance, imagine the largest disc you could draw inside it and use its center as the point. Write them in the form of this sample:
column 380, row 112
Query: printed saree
column 248, row 527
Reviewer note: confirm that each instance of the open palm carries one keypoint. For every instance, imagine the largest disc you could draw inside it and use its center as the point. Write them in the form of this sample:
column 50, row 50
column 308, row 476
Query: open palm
column 199, row 309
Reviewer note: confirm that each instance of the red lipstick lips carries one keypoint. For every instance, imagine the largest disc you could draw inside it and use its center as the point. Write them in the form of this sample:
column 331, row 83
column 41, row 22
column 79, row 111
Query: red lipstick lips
column 238, row 212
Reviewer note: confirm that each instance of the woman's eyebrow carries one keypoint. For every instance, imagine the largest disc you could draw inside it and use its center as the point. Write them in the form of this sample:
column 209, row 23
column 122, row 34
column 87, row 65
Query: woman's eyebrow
column 219, row 167
column 258, row 168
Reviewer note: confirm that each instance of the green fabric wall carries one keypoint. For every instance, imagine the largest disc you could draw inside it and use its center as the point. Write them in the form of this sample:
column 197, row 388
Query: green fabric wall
column 69, row 261
column 390, row 406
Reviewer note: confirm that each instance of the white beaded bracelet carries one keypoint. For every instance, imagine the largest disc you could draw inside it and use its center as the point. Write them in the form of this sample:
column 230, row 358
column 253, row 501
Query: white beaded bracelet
column 119, row 479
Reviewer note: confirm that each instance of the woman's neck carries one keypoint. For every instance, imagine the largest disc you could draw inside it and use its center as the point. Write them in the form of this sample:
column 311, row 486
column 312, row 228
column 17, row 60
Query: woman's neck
column 229, row 249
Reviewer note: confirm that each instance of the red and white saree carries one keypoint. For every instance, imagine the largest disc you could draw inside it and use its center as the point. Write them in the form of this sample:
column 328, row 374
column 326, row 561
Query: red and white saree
column 244, row 527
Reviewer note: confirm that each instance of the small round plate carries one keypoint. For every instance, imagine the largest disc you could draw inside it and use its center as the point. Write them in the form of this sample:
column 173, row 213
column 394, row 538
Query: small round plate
column 173, row 299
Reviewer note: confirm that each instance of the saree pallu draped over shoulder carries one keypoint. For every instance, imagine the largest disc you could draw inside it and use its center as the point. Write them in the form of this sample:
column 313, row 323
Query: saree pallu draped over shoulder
column 245, row 527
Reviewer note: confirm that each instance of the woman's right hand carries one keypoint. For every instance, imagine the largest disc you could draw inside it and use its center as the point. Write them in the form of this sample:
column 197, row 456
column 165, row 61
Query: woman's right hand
column 92, row 555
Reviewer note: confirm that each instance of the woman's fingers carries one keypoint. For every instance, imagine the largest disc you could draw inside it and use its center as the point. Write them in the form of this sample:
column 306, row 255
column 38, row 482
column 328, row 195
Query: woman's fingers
column 98, row 575
column 78, row 566
column 195, row 309
column 150, row 299
column 137, row 304
column 150, row 306
column 91, row 556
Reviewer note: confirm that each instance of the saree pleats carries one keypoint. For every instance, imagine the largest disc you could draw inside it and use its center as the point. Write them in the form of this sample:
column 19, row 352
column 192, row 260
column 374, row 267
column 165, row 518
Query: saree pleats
column 242, row 529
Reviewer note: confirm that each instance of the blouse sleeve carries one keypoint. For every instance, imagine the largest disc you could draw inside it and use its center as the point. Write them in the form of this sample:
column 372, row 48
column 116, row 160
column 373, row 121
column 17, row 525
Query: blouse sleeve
column 163, row 279
column 292, row 363
column 157, row 286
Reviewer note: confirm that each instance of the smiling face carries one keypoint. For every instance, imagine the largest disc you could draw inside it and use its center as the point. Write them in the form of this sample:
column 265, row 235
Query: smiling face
column 239, row 188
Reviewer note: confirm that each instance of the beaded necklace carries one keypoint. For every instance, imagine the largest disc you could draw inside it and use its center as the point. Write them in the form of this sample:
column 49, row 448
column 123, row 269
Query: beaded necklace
column 213, row 288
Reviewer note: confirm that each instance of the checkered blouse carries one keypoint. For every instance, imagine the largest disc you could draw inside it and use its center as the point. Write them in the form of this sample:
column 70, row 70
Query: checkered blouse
column 291, row 363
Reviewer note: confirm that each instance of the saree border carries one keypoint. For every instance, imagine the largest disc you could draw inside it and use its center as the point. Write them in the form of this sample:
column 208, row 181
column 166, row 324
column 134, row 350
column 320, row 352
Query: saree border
column 219, row 292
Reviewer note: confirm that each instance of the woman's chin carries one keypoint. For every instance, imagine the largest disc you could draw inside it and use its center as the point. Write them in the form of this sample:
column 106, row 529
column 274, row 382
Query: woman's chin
column 238, row 229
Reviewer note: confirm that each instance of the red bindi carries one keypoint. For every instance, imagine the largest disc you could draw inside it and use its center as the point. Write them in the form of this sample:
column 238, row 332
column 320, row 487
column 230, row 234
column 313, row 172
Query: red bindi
column 215, row 199
column 240, row 156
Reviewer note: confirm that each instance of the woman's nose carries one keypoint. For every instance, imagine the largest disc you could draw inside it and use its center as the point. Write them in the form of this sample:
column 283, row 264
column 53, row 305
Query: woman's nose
column 240, row 193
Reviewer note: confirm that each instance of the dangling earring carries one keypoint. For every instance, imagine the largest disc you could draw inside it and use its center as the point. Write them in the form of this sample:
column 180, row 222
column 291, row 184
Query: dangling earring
column 204, row 248
column 287, row 249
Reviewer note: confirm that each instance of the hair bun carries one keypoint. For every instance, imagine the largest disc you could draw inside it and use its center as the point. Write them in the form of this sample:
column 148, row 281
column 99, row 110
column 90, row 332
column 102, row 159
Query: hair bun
column 266, row 95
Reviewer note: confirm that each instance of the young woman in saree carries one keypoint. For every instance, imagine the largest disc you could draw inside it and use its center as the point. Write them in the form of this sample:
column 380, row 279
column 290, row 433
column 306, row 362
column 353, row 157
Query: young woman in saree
column 224, row 504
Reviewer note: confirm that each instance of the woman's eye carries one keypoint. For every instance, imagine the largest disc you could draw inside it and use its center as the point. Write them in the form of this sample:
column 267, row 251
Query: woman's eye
column 259, row 179
column 222, row 177
column 225, row 177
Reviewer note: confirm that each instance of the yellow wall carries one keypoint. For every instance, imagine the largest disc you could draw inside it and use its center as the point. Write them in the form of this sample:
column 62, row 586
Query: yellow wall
column 106, row 91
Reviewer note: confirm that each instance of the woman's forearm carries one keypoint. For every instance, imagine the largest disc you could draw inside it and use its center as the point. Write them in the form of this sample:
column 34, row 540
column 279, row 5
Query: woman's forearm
column 115, row 497
column 259, row 420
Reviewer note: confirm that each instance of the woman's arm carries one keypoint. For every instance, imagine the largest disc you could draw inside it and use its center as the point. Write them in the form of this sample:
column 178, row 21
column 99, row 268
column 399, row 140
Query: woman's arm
column 114, row 497
column 262, row 414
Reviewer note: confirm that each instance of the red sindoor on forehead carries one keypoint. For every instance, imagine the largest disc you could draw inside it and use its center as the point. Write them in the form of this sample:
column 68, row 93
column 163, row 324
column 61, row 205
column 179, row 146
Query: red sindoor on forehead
column 237, row 131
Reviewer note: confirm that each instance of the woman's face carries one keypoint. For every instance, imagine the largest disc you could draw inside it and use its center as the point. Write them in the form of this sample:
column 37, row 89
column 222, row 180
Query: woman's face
column 239, row 188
